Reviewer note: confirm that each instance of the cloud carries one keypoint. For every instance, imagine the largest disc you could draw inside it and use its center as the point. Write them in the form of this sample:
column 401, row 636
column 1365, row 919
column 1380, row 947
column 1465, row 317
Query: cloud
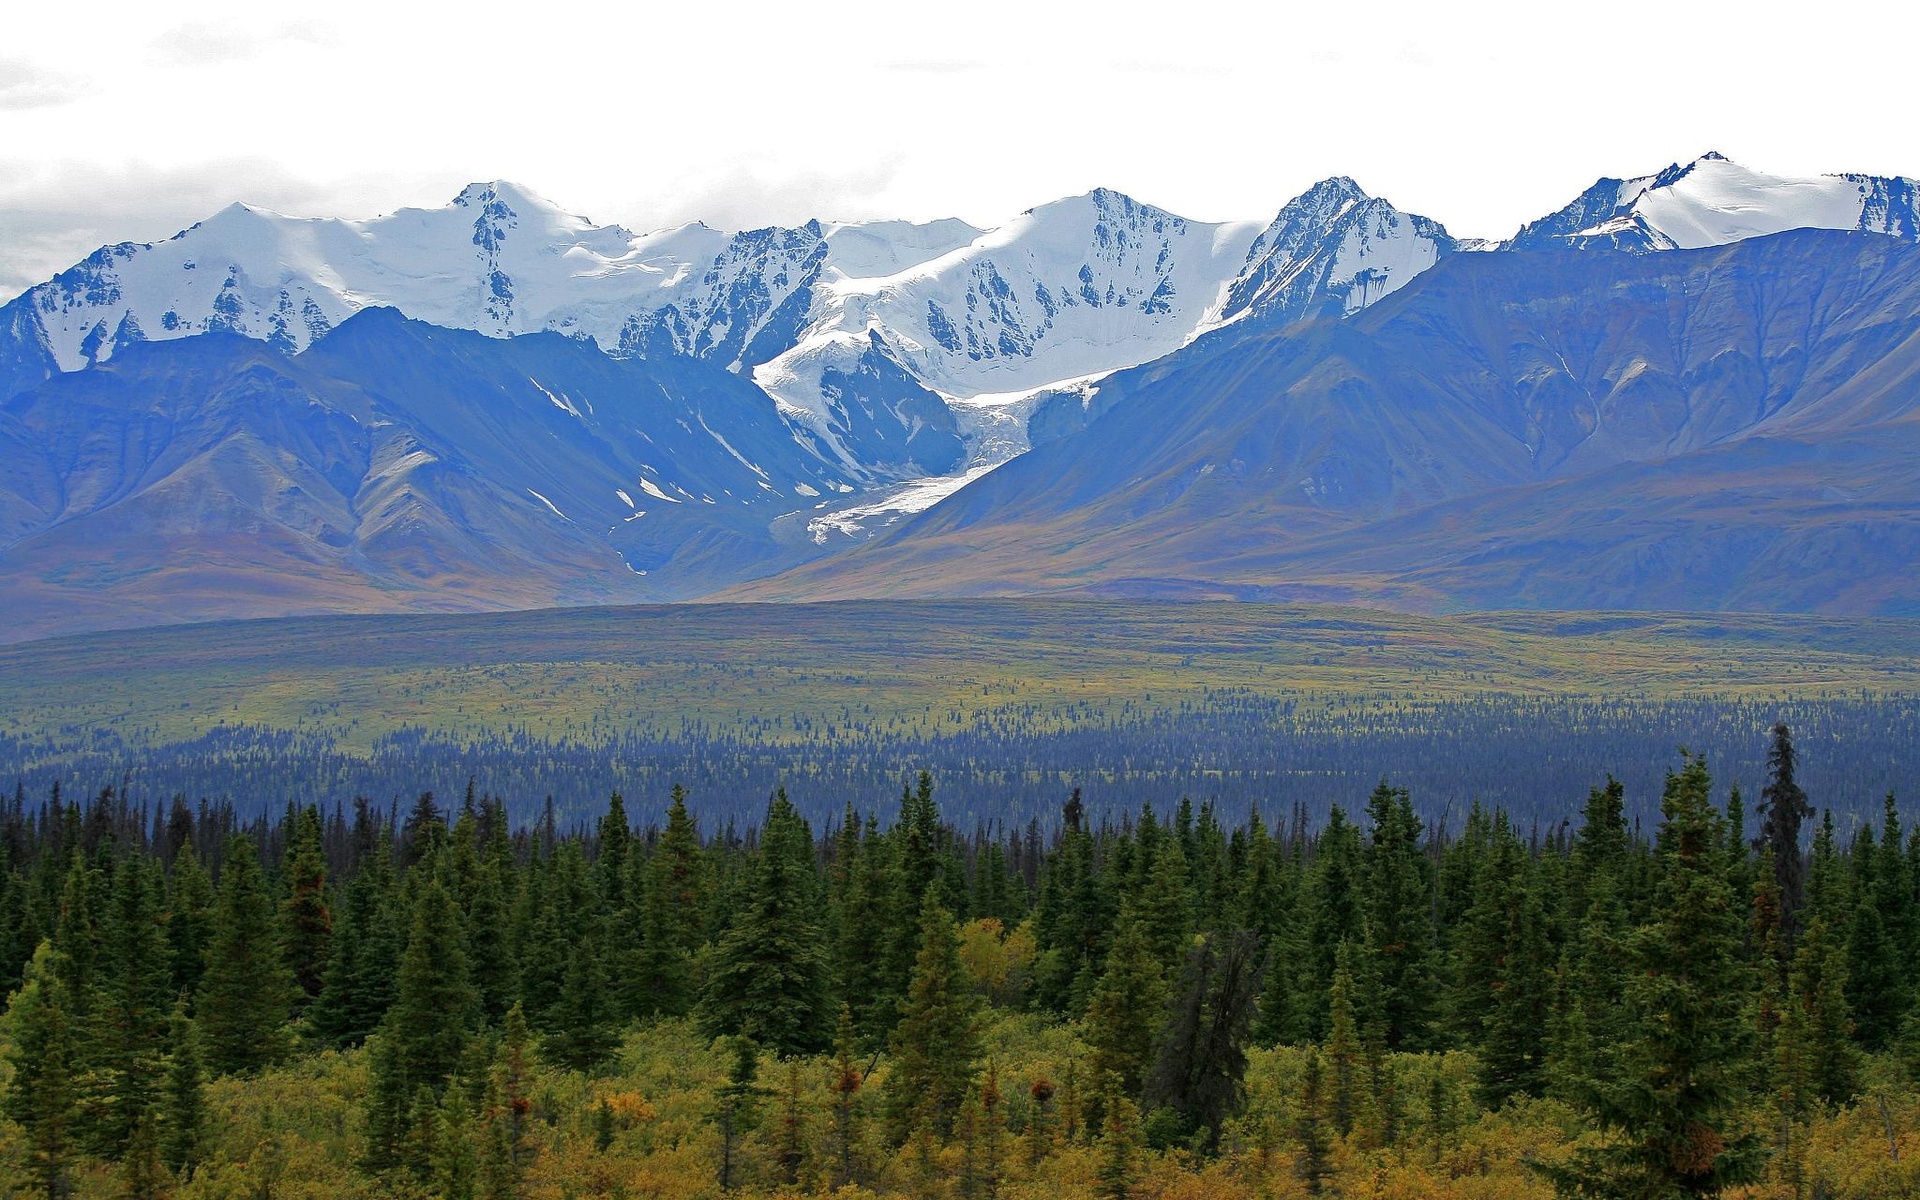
column 52, row 215
column 23, row 85
column 204, row 44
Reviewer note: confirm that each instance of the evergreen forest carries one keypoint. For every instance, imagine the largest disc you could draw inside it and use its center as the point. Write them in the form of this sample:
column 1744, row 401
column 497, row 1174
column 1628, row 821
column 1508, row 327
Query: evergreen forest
column 442, row 1001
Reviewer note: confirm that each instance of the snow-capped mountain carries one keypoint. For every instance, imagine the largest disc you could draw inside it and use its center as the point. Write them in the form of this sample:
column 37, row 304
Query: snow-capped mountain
column 1333, row 249
column 740, row 402
column 1713, row 201
column 497, row 259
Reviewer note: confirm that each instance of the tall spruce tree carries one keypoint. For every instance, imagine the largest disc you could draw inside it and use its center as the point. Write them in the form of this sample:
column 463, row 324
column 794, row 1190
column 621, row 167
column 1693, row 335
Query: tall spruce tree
column 1200, row 1070
column 1128, row 1006
column 1676, row 1109
column 184, row 1102
column 937, row 1042
column 1783, row 810
column 1399, row 914
column 42, row 1096
column 246, row 992
column 309, row 919
column 768, row 978
column 671, row 930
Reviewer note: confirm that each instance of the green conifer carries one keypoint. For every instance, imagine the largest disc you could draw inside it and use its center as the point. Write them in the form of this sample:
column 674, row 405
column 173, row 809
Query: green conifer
column 246, row 992
column 1676, row 1108
column 42, row 1097
column 184, row 1101
column 937, row 1042
column 769, row 971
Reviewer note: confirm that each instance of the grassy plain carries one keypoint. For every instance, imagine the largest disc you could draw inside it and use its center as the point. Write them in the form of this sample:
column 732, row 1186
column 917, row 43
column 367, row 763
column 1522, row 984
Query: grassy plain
column 802, row 672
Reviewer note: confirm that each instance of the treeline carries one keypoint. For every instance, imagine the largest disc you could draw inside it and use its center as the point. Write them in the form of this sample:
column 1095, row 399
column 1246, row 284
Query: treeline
column 1700, row 993
column 1524, row 755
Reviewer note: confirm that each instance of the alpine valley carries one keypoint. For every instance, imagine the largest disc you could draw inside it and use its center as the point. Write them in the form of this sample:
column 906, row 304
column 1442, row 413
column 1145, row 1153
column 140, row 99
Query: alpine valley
column 1698, row 389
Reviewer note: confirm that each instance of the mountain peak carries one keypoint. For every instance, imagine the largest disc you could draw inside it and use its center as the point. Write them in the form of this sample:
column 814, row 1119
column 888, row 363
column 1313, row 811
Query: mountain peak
column 503, row 191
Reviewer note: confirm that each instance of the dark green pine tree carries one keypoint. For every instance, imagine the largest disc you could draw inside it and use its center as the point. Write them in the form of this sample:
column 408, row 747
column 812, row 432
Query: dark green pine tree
column 363, row 957
column 1514, row 1045
column 189, row 920
column 1118, row 1175
column 309, row 920
column 246, row 992
column 671, row 917
column 865, row 933
column 768, row 977
column 1345, row 1054
column 184, row 1101
column 1314, row 1163
column 1783, row 809
column 1200, row 1071
column 583, row 1029
column 1399, row 909
column 1336, row 916
column 1829, row 1062
column 1893, row 895
column 1162, row 906
column 435, row 1009
column 19, row 927
column 1676, row 1109
column 42, row 1096
column 916, row 861
column 1491, row 866
column 1127, row 1007
column 936, row 1045
column 490, row 958
column 737, row 1107
column 1875, row 983
column 129, row 1023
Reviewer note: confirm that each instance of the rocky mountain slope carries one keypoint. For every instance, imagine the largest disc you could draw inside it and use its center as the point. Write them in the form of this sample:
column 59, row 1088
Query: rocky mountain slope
column 1210, row 399
column 1727, row 427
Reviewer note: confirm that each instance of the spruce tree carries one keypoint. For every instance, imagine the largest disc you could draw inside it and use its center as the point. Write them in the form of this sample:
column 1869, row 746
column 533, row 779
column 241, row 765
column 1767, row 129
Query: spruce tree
column 1399, row 914
column 1676, row 1109
column 1783, row 809
column 184, row 1101
column 1345, row 1054
column 309, row 921
column 1817, row 1004
column 937, row 1042
column 363, row 957
column 769, row 971
column 42, row 1097
column 246, row 992
column 844, row 1080
column 671, row 930
column 434, row 1008
column 737, row 1106
column 582, row 1029
column 189, row 921
column 1314, row 1163
column 1119, row 1172
column 1127, row 1008
column 1200, row 1070
column 127, row 1030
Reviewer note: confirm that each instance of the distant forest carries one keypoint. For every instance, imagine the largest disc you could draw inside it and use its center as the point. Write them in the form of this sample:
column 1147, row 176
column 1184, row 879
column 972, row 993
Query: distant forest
column 1532, row 757
column 449, row 1003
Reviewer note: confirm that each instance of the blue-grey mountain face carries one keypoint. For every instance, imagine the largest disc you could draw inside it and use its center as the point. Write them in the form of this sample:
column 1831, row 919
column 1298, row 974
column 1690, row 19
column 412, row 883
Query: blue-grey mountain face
column 1727, row 427
column 1346, row 401
column 394, row 465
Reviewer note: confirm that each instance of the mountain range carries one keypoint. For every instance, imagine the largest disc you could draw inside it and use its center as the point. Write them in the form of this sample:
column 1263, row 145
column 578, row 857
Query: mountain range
column 1693, row 389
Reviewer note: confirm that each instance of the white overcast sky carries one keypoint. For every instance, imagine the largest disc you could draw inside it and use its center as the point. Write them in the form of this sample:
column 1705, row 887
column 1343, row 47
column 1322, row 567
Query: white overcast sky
column 130, row 121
